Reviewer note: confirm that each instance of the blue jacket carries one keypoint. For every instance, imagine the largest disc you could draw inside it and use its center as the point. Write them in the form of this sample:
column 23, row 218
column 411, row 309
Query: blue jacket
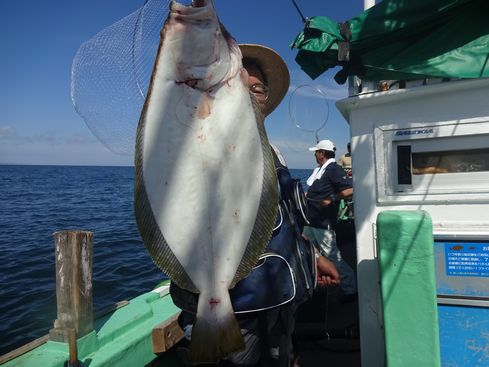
column 333, row 181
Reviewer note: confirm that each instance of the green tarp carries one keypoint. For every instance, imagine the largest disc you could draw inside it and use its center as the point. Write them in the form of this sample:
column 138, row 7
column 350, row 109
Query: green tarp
column 401, row 40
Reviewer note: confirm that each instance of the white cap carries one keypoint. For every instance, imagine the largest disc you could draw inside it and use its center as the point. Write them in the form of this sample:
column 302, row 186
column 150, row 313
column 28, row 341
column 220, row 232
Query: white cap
column 324, row 145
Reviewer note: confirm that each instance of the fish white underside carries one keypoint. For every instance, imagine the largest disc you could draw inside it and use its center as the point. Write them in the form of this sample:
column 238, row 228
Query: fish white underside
column 206, row 193
column 203, row 192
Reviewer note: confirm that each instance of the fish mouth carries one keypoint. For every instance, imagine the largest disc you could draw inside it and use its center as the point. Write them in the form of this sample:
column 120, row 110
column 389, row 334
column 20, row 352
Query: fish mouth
column 199, row 3
column 193, row 4
column 195, row 7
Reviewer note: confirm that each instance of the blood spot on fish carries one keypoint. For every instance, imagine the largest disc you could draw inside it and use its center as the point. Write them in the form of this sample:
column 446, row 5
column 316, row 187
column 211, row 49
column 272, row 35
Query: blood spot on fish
column 231, row 148
column 204, row 107
column 236, row 216
column 192, row 83
column 213, row 302
column 457, row 248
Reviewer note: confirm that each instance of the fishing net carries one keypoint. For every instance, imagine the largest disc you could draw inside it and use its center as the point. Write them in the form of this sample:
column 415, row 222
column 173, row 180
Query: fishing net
column 308, row 115
column 111, row 72
column 309, row 109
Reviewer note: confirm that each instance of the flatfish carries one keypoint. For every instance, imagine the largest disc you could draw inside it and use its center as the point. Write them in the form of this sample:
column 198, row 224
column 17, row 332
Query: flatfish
column 206, row 192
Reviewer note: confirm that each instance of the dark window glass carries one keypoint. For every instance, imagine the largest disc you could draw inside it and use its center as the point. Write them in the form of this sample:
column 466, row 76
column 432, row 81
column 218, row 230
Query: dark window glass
column 404, row 165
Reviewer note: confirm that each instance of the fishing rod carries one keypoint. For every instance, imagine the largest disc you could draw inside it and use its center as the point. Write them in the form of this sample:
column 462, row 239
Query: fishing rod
column 305, row 20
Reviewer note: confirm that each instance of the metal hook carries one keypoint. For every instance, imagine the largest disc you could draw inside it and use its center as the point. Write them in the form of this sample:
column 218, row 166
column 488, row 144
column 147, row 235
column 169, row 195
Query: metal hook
column 305, row 20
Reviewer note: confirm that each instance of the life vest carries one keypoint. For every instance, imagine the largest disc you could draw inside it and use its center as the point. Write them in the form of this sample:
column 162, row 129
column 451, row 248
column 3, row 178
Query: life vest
column 285, row 272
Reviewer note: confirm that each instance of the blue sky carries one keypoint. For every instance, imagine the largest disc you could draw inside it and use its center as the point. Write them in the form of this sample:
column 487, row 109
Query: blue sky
column 39, row 39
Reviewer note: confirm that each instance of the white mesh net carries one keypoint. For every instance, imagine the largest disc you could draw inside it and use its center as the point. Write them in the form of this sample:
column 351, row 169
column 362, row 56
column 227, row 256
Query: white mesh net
column 111, row 73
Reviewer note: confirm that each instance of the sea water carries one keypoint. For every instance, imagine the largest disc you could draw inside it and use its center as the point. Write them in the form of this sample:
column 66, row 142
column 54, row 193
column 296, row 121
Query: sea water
column 35, row 202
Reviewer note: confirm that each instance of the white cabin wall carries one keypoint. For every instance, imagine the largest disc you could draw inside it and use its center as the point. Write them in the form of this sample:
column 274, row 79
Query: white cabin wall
column 445, row 103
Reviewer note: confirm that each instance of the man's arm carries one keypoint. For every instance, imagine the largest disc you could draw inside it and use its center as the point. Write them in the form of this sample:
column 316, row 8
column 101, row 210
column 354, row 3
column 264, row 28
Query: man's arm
column 343, row 194
column 327, row 275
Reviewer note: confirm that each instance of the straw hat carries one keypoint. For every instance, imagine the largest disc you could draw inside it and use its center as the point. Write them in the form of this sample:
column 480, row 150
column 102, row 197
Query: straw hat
column 275, row 70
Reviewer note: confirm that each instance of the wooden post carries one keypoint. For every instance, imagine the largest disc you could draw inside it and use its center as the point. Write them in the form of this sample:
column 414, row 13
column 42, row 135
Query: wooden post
column 74, row 253
column 166, row 334
column 73, row 347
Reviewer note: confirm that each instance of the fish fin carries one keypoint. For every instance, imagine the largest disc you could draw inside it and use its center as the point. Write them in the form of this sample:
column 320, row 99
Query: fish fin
column 267, row 209
column 216, row 332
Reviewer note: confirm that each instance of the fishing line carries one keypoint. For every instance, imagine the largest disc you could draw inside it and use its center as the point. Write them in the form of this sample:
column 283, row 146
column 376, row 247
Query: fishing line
column 305, row 20
column 308, row 110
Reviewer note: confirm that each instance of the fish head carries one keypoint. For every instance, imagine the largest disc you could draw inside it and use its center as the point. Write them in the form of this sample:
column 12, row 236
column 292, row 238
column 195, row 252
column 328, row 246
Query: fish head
column 204, row 53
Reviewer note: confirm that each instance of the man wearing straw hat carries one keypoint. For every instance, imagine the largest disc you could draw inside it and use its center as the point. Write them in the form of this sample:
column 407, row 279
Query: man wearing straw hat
column 262, row 312
column 269, row 81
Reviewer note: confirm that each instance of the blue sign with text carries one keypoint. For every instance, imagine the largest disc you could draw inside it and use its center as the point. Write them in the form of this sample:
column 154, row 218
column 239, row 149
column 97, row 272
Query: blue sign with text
column 467, row 259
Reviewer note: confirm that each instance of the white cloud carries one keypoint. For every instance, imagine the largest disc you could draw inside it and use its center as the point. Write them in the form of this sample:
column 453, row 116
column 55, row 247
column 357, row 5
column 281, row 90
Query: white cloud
column 6, row 131
column 80, row 138
column 9, row 134
column 44, row 152
column 76, row 148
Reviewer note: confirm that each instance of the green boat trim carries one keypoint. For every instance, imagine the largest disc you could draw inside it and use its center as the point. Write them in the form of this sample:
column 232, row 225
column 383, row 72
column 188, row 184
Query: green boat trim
column 120, row 338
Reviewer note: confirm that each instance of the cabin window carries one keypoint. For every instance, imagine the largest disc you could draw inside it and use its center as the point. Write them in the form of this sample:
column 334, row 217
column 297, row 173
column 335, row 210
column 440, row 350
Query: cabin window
column 453, row 161
column 432, row 163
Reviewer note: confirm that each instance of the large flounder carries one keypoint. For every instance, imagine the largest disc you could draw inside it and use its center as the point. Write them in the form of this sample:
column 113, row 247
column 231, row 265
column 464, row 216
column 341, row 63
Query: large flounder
column 206, row 191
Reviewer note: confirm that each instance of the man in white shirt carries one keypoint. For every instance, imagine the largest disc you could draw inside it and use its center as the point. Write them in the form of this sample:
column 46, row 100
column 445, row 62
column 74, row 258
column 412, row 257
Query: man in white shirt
column 328, row 184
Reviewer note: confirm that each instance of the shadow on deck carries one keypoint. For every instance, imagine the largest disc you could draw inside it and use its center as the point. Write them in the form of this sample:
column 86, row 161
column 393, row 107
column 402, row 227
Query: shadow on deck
column 327, row 330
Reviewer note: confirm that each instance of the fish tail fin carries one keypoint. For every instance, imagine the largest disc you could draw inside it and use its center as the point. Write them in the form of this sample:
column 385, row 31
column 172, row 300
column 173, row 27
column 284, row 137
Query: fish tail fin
column 216, row 332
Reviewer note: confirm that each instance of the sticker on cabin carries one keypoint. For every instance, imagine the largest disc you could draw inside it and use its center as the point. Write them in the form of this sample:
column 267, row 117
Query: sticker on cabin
column 411, row 132
column 467, row 259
